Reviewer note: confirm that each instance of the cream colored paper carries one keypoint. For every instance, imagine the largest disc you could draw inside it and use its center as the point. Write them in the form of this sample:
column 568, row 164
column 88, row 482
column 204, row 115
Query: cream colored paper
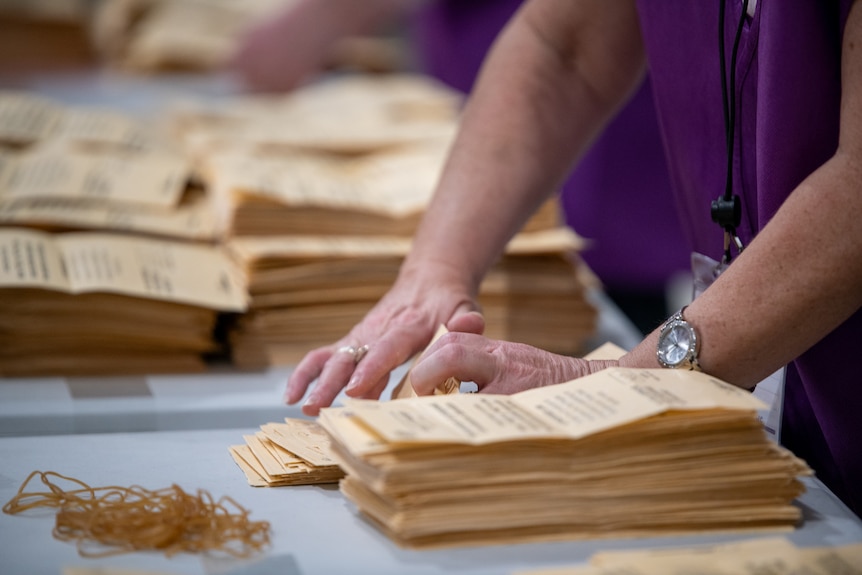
column 31, row 259
column 203, row 218
column 772, row 556
column 397, row 183
column 270, row 464
column 251, row 249
column 404, row 389
column 348, row 114
column 251, row 467
column 189, row 34
column 619, row 395
column 607, row 350
column 844, row 559
column 302, row 437
column 296, row 452
column 704, row 554
column 349, row 430
column 97, row 126
column 25, row 118
column 144, row 179
column 474, row 419
column 298, row 473
column 569, row 410
column 93, row 262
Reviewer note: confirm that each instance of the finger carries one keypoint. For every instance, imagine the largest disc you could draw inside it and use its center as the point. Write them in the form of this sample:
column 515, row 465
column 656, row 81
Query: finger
column 306, row 371
column 385, row 354
column 468, row 321
column 465, row 356
column 335, row 374
column 377, row 390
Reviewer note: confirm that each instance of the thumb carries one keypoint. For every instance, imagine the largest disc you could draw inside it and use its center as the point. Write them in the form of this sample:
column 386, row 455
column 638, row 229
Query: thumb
column 467, row 319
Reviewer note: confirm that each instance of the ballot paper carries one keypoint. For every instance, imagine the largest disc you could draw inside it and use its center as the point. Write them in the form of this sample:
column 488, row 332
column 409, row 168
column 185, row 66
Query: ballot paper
column 309, row 290
column 775, row 556
column 622, row 452
column 27, row 120
column 97, row 303
column 156, row 180
column 295, row 452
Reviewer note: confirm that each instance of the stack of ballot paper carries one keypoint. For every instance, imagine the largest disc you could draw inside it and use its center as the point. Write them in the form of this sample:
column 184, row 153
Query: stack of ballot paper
column 328, row 185
column 64, row 168
column 773, row 556
column 353, row 155
column 147, row 194
column 28, row 120
column 384, row 193
column 348, row 156
column 96, row 303
column 623, row 452
column 344, row 114
column 317, row 193
column 295, row 452
column 308, row 291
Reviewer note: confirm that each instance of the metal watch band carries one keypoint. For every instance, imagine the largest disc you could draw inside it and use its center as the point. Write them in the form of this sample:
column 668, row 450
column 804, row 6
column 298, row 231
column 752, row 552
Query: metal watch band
column 690, row 359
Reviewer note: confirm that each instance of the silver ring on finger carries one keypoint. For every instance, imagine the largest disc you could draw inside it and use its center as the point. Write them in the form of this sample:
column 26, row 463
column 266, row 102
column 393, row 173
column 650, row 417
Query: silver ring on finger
column 357, row 353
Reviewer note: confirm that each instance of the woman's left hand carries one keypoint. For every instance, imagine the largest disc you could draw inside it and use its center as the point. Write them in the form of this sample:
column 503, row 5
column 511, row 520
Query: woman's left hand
column 499, row 367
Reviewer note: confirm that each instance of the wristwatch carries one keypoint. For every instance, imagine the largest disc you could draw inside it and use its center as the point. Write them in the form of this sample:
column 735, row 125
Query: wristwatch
column 678, row 344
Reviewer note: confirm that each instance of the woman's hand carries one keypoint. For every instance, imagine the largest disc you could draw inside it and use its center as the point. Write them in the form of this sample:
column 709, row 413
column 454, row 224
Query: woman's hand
column 399, row 326
column 495, row 366
column 298, row 42
column 285, row 50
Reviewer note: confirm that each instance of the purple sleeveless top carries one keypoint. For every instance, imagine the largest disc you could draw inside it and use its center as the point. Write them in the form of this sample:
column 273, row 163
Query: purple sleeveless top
column 619, row 194
column 788, row 85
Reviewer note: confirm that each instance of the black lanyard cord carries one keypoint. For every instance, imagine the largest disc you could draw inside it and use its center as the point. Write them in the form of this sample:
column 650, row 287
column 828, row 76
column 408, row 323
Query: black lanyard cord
column 727, row 209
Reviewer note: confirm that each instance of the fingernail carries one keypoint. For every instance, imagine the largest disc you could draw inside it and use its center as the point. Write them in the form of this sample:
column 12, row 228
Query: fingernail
column 352, row 384
column 312, row 400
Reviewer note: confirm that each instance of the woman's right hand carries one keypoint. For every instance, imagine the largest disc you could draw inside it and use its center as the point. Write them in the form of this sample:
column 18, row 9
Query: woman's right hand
column 401, row 324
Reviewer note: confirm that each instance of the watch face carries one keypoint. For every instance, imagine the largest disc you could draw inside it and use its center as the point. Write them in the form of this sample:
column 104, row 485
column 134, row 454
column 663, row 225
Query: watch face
column 676, row 344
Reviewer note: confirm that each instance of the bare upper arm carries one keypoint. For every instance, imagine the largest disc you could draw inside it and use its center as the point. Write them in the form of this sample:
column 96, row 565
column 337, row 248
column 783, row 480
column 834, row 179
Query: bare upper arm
column 850, row 140
column 598, row 41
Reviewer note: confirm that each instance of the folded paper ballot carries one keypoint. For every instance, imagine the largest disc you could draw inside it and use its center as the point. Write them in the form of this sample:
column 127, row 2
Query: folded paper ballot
column 773, row 555
column 298, row 451
column 624, row 452
column 295, row 452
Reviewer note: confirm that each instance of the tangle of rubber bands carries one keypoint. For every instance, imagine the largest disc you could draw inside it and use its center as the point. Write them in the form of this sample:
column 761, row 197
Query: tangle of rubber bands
column 112, row 520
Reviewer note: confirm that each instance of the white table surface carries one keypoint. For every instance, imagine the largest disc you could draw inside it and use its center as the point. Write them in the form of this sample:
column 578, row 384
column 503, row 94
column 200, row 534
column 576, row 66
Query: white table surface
column 314, row 529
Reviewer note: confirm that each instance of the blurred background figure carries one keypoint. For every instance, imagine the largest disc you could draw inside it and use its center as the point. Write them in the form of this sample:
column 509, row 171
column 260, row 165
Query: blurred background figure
column 637, row 247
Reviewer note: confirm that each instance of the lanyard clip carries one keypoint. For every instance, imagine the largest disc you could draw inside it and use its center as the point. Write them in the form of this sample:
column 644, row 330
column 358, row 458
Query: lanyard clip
column 731, row 237
column 727, row 213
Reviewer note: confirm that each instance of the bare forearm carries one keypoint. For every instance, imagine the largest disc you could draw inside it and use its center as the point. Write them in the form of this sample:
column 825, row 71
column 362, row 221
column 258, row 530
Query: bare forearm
column 523, row 127
column 364, row 17
column 796, row 282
